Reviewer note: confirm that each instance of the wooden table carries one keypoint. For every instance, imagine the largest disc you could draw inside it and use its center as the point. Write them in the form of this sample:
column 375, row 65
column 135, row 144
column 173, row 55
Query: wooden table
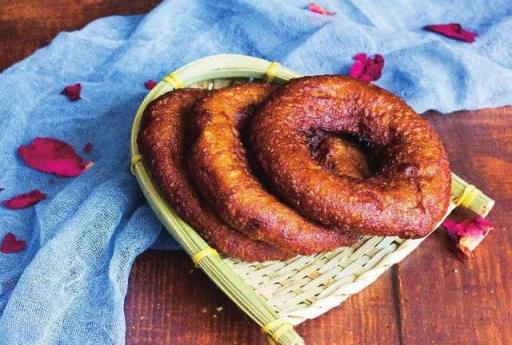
column 449, row 302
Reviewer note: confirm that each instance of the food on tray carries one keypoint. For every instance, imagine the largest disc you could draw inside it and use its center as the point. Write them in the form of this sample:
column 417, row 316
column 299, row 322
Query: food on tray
column 343, row 157
column 409, row 193
column 163, row 143
column 267, row 173
column 219, row 165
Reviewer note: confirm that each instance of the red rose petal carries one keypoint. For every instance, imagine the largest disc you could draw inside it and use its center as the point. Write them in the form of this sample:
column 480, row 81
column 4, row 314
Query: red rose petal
column 315, row 8
column 468, row 234
column 72, row 91
column 150, row 84
column 53, row 156
column 453, row 229
column 24, row 200
column 452, row 30
column 12, row 245
column 483, row 223
column 467, row 244
column 360, row 57
column 366, row 68
column 87, row 148
column 357, row 69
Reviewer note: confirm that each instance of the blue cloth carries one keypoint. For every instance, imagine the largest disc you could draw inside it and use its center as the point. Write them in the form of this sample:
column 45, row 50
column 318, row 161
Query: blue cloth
column 68, row 287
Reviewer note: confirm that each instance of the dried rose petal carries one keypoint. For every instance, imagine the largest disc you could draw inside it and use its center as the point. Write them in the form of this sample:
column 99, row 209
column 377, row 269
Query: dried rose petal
column 452, row 30
column 150, row 84
column 53, row 156
column 468, row 234
column 72, row 91
column 454, row 229
column 467, row 244
column 315, row 8
column 87, row 148
column 24, row 200
column 12, row 245
column 483, row 223
column 366, row 68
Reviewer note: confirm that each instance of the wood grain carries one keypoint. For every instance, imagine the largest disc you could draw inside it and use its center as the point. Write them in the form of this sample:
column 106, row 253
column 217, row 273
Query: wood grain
column 170, row 302
column 26, row 25
column 430, row 298
column 470, row 302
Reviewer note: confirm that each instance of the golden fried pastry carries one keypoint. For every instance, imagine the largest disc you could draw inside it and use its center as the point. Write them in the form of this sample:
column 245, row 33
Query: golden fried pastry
column 407, row 195
column 163, row 145
column 343, row 157
column 220, row 168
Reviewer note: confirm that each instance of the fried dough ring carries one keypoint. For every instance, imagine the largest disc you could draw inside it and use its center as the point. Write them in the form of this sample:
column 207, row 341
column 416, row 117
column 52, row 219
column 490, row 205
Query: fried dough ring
column 219, row 166
column 407, row 196
column 162, row 143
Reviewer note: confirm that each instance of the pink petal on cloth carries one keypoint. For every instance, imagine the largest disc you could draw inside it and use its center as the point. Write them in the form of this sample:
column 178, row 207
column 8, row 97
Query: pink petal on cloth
column 360, row 57
column 10, row 244
column 72, row 91
column 357, row 69
column 366, row 68
column 452, row 30
column 24, row 200
column 315, row 8
column 87, row 148
column 150, row 84
column 53, row 156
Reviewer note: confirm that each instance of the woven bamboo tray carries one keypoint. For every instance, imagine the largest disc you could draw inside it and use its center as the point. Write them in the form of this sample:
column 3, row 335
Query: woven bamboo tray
column 278, row 294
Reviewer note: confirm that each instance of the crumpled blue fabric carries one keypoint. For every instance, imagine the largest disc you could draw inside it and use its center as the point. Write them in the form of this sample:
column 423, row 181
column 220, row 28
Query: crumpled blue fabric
column 68, row 287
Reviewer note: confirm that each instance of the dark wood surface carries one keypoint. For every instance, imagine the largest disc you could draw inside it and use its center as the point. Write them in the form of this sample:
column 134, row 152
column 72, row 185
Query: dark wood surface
column 26, row 25
column 430, row 298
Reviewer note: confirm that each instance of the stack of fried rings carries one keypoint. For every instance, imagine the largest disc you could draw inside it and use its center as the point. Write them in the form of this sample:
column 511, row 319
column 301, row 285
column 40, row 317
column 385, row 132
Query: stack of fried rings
column 266, row 174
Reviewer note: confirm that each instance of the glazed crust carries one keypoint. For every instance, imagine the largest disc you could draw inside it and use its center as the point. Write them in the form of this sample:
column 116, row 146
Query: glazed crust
column 219, row 166
column 407, row 196
column 162, row 143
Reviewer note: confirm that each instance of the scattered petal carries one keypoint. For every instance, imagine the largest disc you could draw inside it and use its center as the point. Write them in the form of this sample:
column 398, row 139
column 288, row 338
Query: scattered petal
column 453, row 229
column 366, row 68
column 468, row 234
column 467, row 244
column 87, row 148
column 53, row 156
column 315, row 8
column 483, row 223
column 12, row 245
column 72, row 91
column 24, row 200
column 452, row 30
column 150, row 84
